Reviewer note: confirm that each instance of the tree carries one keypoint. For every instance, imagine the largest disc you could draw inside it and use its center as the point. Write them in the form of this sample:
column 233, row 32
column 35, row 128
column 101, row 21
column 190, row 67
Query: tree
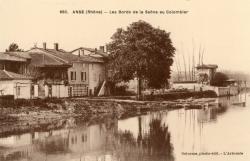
column 219, row 79
column 143, row 52
column 13, row 47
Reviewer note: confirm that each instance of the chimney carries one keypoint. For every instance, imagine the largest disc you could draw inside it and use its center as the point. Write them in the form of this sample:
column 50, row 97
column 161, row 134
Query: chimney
column 44, row 45
column 101, row 48
column 95, row 50
column 56, row 46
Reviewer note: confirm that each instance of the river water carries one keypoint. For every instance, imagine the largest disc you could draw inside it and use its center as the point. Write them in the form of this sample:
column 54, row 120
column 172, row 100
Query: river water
column 222, row 133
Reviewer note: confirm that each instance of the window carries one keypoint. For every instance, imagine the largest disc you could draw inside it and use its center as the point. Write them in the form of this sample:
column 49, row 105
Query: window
column 73, row 75
column 83, row 76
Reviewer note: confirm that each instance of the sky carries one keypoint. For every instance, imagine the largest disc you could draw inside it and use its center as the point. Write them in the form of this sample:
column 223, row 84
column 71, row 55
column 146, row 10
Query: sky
column 220, row 28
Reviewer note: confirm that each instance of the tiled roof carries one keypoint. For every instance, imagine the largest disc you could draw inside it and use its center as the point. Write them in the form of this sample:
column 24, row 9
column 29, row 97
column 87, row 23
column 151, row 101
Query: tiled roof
column 207, row 66
column 69, row 57
column 72, row 58
column 24, row 55
column 8, row 57
column 44, row 60
column 7, row 75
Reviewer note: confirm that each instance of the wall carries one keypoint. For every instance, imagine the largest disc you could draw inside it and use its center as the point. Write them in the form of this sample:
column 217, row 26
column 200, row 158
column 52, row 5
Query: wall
column 96, row 75
column 7, row 87
column 220, row 91
column 78, row 86
column 58, row 91
column 25, row 88
column 223, row 91
column 10, row 88
column 189, row 86
column 78, row 67
column 35, row 90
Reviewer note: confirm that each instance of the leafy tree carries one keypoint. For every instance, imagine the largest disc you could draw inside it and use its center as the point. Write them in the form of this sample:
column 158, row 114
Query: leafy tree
column 13, row 47
column 141, row 51
column 219, row 79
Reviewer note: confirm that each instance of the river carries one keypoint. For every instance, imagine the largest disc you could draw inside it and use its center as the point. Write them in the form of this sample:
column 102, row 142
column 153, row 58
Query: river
column 222, row 133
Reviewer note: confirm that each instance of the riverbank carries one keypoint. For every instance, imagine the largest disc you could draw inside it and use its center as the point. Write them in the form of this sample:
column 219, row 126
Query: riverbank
column 43, row 115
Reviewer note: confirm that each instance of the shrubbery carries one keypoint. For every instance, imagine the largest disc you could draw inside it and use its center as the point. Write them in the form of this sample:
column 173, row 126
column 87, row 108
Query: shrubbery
column 219, row 79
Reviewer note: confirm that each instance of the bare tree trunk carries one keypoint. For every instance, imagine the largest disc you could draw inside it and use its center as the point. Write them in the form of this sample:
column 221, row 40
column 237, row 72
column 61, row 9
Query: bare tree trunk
column 139, row 88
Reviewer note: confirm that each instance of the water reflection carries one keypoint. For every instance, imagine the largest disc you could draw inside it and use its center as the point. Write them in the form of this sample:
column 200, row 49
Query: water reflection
column 153, row 142
column 156, row 136
column 95, row 142
column 53, row 144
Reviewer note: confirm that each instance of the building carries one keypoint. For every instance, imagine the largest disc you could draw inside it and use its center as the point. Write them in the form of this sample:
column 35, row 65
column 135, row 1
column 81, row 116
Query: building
column 205, row 73
column 15, row 84
column 85, row 75
column 101, row 53
column 14, row 79
column 50, row 74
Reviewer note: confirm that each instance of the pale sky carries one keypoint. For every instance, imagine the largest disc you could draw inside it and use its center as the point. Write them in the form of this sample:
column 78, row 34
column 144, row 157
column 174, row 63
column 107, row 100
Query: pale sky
column 222, row 27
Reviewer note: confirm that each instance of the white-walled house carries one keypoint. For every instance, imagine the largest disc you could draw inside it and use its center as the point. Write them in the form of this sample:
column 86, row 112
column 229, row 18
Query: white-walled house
column 97, row 70
column 15, row 84
column 85, row 74
column 14, row 79
column 44, row 72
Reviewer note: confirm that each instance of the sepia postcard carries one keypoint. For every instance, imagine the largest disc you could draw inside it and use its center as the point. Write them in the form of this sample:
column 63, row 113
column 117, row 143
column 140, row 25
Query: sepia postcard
column 134, row 80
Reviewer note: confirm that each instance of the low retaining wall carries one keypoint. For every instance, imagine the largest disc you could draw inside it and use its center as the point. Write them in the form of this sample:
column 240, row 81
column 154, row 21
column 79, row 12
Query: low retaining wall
column 223, row 91
column 181, row 95
column 192, row 86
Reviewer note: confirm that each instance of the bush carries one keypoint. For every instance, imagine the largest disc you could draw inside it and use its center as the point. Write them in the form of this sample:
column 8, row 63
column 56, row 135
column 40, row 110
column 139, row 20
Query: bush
column 219, row 79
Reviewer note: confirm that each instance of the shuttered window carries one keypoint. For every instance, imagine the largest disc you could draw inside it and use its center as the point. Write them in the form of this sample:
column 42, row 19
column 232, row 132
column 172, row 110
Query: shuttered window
column 83, row 76
column 73, row 75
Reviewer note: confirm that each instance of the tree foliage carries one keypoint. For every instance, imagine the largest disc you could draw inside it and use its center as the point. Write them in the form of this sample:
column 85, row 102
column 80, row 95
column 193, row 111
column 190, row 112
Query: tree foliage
column 141, row 51
column 219, row 79
column 13, row 47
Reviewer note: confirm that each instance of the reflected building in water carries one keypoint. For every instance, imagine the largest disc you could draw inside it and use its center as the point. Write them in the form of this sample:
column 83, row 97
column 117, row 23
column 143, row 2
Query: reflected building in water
column 100, row 142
